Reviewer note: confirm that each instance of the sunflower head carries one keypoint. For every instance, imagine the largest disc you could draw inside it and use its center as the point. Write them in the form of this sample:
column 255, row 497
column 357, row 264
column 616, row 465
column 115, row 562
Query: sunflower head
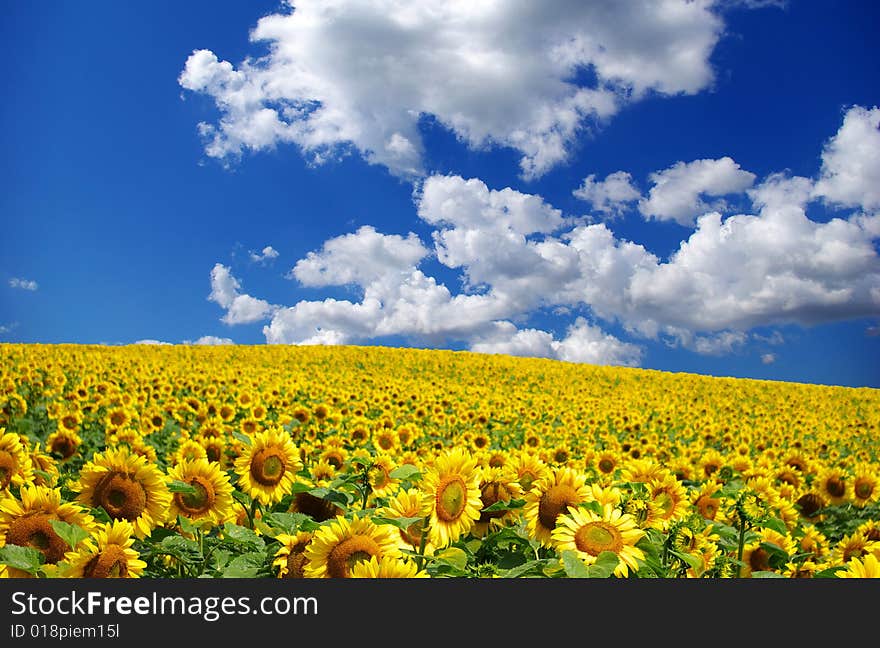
column 210, row 502
column 453, row 494
column 108, row 554
column 267, row 467
column 340, row 544
column 550, row 497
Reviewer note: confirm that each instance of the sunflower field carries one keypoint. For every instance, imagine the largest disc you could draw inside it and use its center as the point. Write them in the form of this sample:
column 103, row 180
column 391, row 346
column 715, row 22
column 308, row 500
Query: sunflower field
column 265, row 461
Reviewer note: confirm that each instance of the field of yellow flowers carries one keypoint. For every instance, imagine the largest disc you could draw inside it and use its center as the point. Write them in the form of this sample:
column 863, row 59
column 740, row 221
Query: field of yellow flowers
column 372, row 462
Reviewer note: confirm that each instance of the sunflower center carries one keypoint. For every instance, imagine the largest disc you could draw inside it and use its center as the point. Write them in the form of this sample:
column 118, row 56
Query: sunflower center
column 595, row 537
column 296, row 565
column 526, row 479
column 451, row 498
column 348, row 553
column 8, row 466
column 556, row 500
column 35, row 531
column 810, row 504
column 708, row 506
column 759, row 560
column 64, row 446
column 110, row 563
column 606, row 465
column 121, row 496
column 863, row 489
column 663, row 501
column 318, row 508
column 212, row 452
column 490, row 494
column 835, row 487
column 200, row 501
column 267, row 466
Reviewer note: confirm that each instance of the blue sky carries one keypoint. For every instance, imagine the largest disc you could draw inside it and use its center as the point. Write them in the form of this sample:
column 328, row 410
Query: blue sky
column 685, row 187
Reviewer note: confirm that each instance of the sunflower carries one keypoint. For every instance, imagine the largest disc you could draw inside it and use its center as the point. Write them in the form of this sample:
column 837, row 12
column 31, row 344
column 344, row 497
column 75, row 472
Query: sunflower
column 606, row 462
column 668, row 502
column 867, row 567
column 64, row 443
column 211, row 504
column 188, row 450
column 452, row 487
column 323, row 473
column 833, row 485
column 379, row 474
column 127, row 486
column 45, row 469
column 27, row 522
column 812, row 541
column 550, row 497
column 16, row 468
column 757, row 556
column 267, row 468
column 642, row 470
column 290, row 559
column 854, row 545
column 589, row 534
column 496, row 485
column 107, row 554
column 710, row 463
column 409, row 503
column 387, row 567
column 386, row 440
column 337, row 546
column 528, row 469
column 704, row 499
column 810, row 505
column 864, row 486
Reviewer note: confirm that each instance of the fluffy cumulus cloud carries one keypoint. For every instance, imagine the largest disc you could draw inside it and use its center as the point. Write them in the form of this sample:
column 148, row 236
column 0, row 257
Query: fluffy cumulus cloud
column 611, row 195
column 582, row 343
column 240, row 308
column 210, row 340
column 23, row 284
column 850, row 175
column 516, row 254
column 361, row 74
column 680, row 192
column 268, row 253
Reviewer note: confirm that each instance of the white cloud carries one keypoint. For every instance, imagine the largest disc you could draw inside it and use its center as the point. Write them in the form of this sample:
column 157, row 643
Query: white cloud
column 267, row 254
column 7, row 328
column 582, row 343
column 516, row 253
column 850, row 175
column 678, row 191
column 23, row 284
column 359, row 258
column 240, row 308
column 768, row 358
column 611, row 195
column 362, row 73
column 210, row 340
column 153, row 342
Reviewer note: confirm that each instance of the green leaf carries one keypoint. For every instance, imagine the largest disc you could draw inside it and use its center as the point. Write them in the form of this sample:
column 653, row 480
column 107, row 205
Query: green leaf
column 186, row 525
column 606, row 563
column 776, row 524
column 241, row 535
column 406, row 471
column 766, row 574
column 337, row 497
column 505, row 505
column 244, row 566
column 178, row 486
column 525, row 568
column 245, row 439
column 453, row 556
column 180, row 547
column 831, row 572
column 689, row 559
column 574, row 566
column 593, row 506
column 72, row 534
column 26, row 559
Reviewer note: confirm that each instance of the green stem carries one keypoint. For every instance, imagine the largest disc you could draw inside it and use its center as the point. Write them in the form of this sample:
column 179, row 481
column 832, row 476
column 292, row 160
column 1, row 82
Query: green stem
column 420, row 561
